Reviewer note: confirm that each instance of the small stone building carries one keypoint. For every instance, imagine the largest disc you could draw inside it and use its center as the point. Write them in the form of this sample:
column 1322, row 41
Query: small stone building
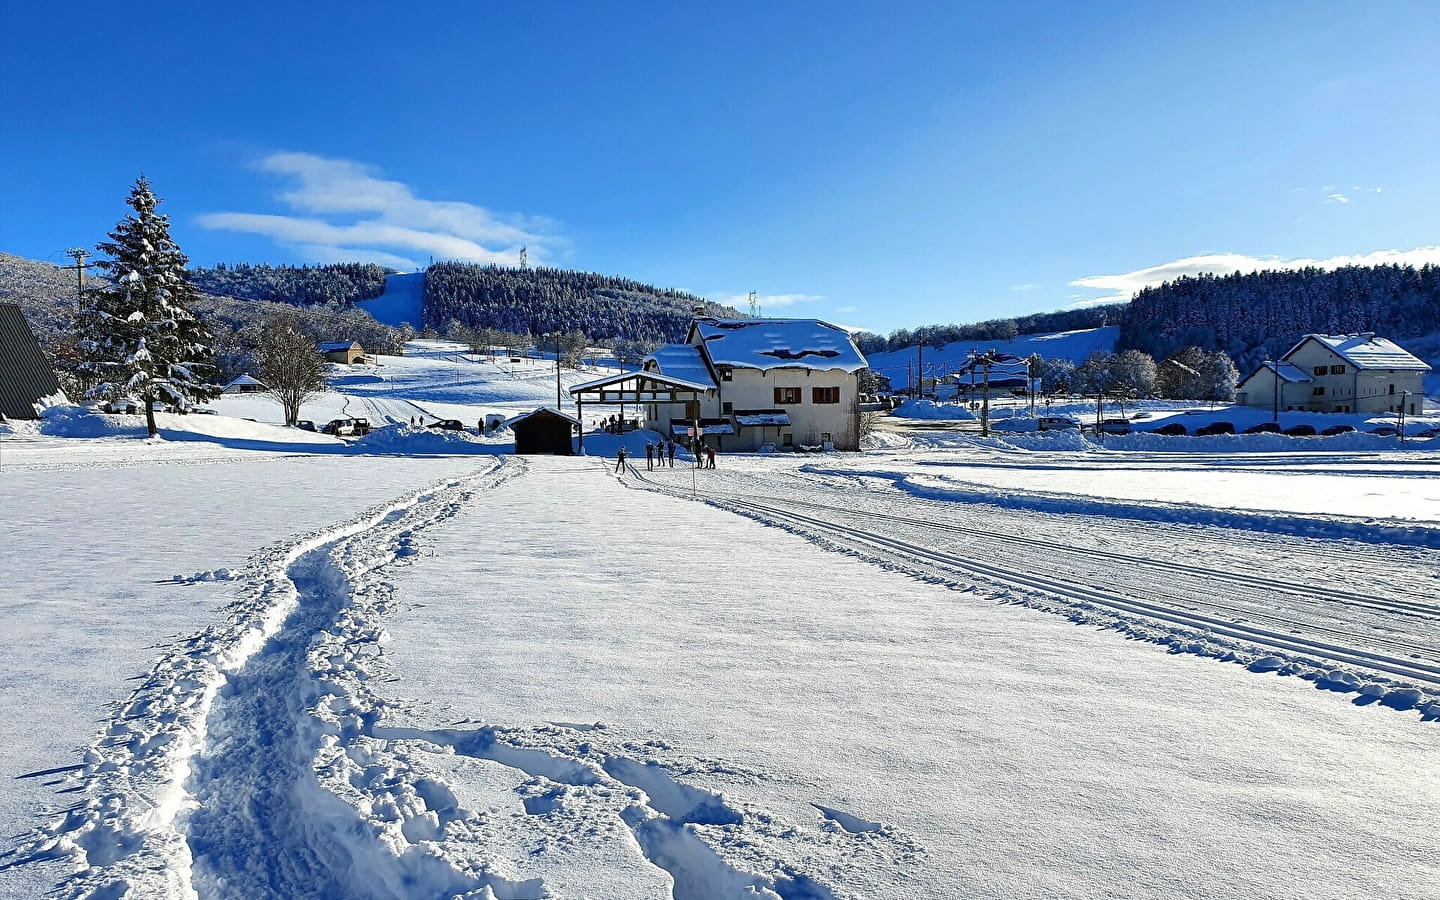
column 544, row 431
column 346, row 353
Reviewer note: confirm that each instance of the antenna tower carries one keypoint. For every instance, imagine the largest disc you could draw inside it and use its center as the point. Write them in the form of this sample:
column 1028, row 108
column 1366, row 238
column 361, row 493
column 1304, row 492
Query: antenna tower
column 754, row 306
column 523, row 258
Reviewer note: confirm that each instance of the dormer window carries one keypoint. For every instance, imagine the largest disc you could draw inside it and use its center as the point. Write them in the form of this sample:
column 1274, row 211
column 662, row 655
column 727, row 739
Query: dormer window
column 727, row 375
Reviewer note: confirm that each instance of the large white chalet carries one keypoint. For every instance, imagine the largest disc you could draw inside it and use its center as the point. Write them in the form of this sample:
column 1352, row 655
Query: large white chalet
column 781, row 382
column 1339, row 373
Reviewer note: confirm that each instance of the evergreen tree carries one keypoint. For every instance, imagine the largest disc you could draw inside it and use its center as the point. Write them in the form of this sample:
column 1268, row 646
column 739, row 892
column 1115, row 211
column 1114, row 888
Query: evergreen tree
column 139, row 335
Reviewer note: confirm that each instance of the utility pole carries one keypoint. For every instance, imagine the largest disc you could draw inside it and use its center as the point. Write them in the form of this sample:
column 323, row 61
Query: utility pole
column 1404, row 396
column 557, row 368
column 78, row 254
column 985, row 361
column 1274, row 374
column 920, row 370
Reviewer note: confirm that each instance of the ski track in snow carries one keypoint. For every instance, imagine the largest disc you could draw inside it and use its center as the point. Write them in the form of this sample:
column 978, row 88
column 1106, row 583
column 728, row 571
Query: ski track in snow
column 1404, row 674
column 255, row 761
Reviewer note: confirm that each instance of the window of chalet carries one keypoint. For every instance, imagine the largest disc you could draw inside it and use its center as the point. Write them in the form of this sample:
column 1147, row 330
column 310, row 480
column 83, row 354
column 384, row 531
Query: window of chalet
column 727, row 375
column 825, row 395
column 726, row 408
column 1337, row 370
column 1319, row 391
column 1321, row 370
column 1392, row 388
column 787, row 396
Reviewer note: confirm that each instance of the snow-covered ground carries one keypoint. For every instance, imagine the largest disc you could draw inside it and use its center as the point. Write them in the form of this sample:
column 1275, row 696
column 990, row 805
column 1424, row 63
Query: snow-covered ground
column 248, row 661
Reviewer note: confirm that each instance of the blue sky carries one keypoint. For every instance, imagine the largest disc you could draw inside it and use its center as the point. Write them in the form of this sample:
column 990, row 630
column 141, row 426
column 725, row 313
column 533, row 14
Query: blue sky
column 879, row 165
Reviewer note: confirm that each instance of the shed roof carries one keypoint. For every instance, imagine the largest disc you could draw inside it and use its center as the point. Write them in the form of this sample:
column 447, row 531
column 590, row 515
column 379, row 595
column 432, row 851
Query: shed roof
column 681, row 383
column 1366, row 351
column 544, row 409
column 760, row 418
column 776, row 343
column 333, row 346
column 26, row 380
column 682, row 361
column 244, row 380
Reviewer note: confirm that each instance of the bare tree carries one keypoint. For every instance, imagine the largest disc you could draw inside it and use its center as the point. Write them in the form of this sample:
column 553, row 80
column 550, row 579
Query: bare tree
column 289, row 365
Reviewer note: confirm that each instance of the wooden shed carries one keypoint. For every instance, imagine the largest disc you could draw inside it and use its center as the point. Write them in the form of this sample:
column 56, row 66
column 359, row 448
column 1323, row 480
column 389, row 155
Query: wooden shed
column 544, row 431
column 346, row 353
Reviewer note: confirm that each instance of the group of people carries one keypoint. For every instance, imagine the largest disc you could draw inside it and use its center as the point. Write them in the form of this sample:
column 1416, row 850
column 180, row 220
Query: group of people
column 662, row 453
column 613, row 425
column 658, row 452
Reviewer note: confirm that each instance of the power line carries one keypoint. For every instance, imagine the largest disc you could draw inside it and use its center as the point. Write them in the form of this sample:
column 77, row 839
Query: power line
column 78, row 254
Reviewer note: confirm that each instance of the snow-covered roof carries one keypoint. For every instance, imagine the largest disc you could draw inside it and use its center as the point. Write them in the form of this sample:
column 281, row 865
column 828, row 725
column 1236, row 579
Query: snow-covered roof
column 1289, row 372
column 777, row 343
column 1366, row 351
column 333, row 346
column 759, row 418
column 682, row 361
column 242, row 380
column 682, row 427
column 544, row 409
column 653, row 376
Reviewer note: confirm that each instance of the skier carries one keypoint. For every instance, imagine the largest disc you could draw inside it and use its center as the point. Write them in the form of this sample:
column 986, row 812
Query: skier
column 670, row 451
column 620, row 460
column 649, row 455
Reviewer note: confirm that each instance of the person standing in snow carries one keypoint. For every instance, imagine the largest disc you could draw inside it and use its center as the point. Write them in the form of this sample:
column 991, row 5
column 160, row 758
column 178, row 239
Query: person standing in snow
column 620, row 460
column 709, row 457
column 670, row 451
column 649, row 455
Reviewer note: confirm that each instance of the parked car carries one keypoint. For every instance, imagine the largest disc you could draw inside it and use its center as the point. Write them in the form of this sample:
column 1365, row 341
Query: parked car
column 339, row 427
column 1426, row 433
column 1263, row 428
column 1385, row 430
column 362, row 426
column 1114, row 426
column 1337, row 429
column 1215, row 428
column 1055, row 423
column 1173, row 429
column 305, row 425
column 1301, row 430
column 126, row 405
column 449, row 425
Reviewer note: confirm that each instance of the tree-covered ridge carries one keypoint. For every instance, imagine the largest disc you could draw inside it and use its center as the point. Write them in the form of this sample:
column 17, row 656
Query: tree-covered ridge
column 1261, row 315
column 993, row 329
column 337, row 285
column 542, row 301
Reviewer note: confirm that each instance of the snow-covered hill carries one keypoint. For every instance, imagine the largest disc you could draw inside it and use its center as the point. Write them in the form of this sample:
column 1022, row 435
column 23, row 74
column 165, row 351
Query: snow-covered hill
column 1072, row 345
column 402, row 302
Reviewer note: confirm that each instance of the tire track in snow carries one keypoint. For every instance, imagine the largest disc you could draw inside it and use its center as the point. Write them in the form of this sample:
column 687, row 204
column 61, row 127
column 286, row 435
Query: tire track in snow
column 295, row 638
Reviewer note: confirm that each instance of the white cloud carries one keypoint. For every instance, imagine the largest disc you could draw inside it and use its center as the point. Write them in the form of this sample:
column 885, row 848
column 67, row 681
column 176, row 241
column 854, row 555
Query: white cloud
column 385, row 219
column 847, row 309
column 1337, row 198
column 1123, row 286
column 1020, row 288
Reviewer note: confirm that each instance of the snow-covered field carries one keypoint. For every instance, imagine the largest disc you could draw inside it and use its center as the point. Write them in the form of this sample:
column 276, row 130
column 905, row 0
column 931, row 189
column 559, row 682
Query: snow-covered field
column 246, row 661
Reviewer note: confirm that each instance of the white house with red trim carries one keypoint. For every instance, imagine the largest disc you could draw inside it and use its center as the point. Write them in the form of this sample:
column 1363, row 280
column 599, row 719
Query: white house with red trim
column 780, row 382
column 1345, row 373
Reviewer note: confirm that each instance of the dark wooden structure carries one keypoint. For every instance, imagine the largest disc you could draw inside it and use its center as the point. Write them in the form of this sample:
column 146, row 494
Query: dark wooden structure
column 635, row 389
column 544, row 431
column 27, row 382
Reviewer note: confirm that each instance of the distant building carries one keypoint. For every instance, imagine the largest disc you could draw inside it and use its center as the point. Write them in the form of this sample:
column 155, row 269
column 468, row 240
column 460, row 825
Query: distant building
column 1344, row 373
column 544, row 431
column 783, row 382
column 27, row 382
column 244, row 384
column 345, row 352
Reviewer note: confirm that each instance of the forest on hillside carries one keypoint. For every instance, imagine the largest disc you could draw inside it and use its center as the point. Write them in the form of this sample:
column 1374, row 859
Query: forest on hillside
column 1259, row 316
column 338, row 285
column 999, row 330
column 542, row 301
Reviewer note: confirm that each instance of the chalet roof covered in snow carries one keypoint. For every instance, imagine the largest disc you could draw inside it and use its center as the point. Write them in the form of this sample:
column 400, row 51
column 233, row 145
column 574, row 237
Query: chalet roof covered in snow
column 1288, row 372
column 335, row 346
column 244, row 381
column 760, row 418
column 1366, row 351
column 777, row 343
column 631, row 381
column 682, row 361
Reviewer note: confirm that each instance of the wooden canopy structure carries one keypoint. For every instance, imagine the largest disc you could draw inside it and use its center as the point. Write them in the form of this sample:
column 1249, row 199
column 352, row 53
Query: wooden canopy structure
column 635, row 388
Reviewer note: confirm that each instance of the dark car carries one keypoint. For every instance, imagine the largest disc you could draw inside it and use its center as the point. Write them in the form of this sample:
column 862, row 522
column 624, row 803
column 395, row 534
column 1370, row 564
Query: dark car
column 362, row 426
column 1427, row 433
column 305, row 425
column 448, row 425
column 1301, row 431
column 1385, row 430
column 1263, row 428
column 1173, row 429
column 1215, row 428
column 1337, row 429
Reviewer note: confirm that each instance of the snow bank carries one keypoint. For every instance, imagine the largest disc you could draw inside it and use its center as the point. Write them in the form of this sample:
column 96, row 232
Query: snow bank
column 417, row 439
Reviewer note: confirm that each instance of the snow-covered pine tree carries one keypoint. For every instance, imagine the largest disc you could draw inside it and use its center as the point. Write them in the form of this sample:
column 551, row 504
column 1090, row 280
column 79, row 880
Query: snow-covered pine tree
column 140, row 337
